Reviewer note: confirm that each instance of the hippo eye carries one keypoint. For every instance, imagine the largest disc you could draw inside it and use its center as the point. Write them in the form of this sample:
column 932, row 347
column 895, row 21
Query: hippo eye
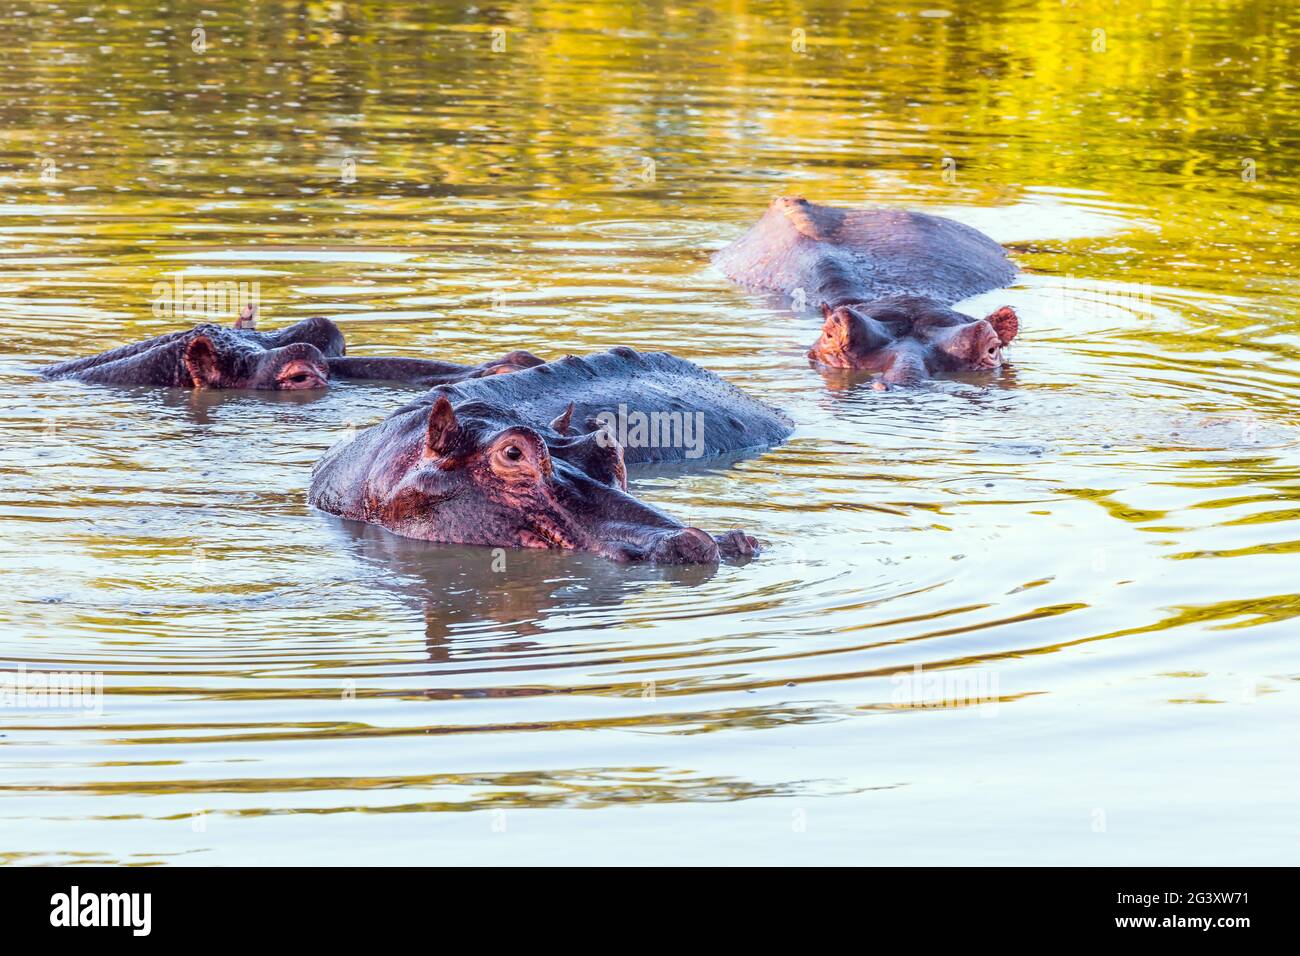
column 517, row 461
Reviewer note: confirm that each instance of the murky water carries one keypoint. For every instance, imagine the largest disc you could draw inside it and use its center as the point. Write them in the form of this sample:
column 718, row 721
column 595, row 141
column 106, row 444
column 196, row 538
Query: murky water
column 1092, row 556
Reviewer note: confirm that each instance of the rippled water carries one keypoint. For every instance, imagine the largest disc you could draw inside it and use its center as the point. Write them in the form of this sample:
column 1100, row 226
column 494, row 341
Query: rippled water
column 1091, row 556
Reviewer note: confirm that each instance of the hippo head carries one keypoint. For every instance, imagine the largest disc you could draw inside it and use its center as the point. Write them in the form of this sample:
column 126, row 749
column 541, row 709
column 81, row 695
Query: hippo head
column 854, row 336
column 214, row 362
column 478, row 482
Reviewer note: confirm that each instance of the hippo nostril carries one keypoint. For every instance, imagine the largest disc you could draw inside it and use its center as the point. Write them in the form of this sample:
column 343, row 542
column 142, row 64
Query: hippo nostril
column 737, row 544
column 687, row 546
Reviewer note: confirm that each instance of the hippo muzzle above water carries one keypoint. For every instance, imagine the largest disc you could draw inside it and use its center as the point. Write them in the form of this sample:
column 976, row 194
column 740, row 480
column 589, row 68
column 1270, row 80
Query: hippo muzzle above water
column 884, row 279
column 534, row 459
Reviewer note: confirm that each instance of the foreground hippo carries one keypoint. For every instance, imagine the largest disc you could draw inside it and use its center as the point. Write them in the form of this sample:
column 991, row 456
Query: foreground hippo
column 534, row 459
column 300, row 356
column 884, row 279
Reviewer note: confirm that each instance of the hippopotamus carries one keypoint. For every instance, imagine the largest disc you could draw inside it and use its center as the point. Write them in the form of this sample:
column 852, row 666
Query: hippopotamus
column 907, row 339
column 214, row 356
column 538, row 459
column 300, row 356
column 884, row 279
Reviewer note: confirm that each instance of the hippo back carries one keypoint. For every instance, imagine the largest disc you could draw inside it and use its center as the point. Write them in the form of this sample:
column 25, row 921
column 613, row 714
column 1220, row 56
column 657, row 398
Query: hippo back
column 839, row 256
column 663, row 408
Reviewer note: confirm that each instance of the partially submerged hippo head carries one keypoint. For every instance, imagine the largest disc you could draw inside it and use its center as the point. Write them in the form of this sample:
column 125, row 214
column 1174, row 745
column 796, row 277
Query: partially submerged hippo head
column 494, row 485
column 474, row 475
column 909, row 338
column 302, row 356
column 214, row 361
column 210, row 356
column 293, row 358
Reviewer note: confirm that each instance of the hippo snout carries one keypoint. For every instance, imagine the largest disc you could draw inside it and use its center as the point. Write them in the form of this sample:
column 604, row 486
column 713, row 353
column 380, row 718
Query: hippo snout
column 737, row 544
column 687, row 546
column 694, row 546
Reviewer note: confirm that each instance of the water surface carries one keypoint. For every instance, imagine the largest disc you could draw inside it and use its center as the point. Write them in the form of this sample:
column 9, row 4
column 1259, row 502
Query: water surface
column 1092, row 557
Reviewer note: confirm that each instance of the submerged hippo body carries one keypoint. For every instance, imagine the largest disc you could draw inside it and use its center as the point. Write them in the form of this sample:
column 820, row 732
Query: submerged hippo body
column 534, row 459
column 845, row 256
column 883, row 279
column 300, row 356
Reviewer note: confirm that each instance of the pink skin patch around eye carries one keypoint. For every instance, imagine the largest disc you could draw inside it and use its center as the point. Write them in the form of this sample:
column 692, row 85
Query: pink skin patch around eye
column 302, row 375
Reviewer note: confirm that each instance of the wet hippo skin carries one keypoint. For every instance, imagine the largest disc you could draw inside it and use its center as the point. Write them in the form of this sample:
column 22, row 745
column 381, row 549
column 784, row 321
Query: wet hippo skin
column 534, row 460
column 908, row 339
column 214, row 356
column 304, row 355
column 425, row 372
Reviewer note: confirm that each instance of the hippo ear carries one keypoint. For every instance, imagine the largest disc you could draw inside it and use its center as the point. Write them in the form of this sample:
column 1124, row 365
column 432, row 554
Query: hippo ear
column 561, row 423
column 441, row 434
column 202, row 362
column 247, row 317
column 1005, row 324
column 827, row 311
